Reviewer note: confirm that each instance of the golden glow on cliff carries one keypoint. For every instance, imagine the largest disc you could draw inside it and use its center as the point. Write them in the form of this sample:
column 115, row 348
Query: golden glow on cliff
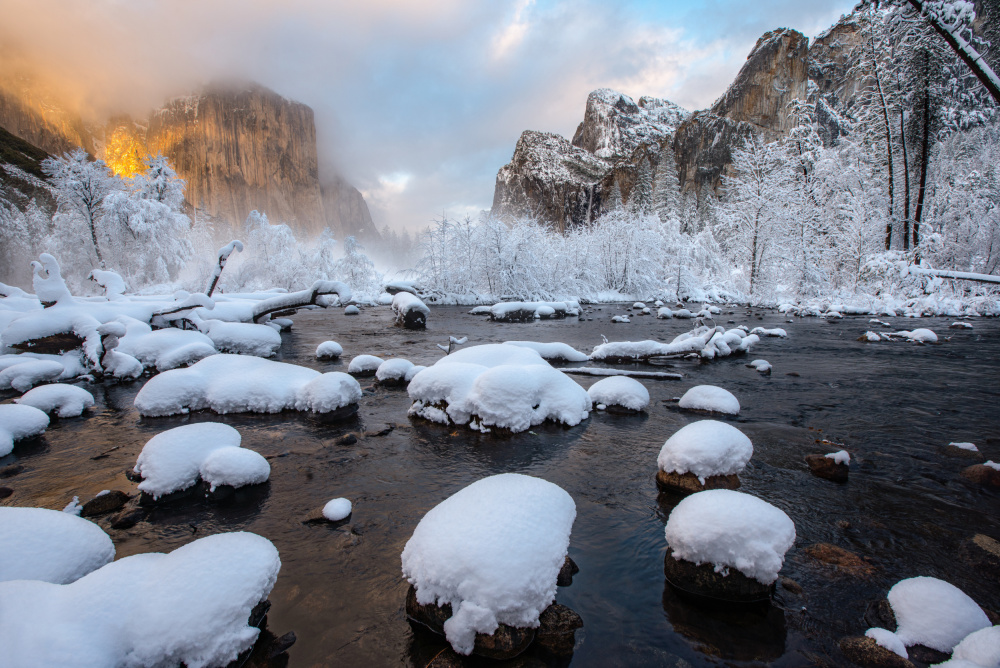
column 124, row 154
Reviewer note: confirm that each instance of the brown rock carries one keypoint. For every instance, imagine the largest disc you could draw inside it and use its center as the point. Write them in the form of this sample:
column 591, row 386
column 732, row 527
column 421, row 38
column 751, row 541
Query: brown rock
column 51, row 345
column 703, row 582
column 566, row 573
column 880, row 614
column 927, row 655
column 556, row 631
column 952, row 451
column 505, row 643
column 791, row 586
column 983, row 553
column 5, row 492
column 105, row 503
column 867, row 653
column 12, row 470
column 981, row 474
column 347, row 439
column 127, row 519
column 688, row 483
column 825, row 467
column 843, row 559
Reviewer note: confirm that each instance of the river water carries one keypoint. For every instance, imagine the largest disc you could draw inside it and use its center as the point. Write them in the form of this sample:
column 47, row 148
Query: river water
column 893, row 405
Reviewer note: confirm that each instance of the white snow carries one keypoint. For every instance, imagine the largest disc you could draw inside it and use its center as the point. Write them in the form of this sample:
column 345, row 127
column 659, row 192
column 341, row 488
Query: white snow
column 64, row 400
column 706, row 448
column 25, row 375
column 338, row 509
column 761, row 365
column 992, row 464
column 777, row 331
column 174, row 459
column 981, row 647
column 163, row 348
column 961, row 325
column 352, row 310
column 497, row 385
column 18, row 422
column 244, row 338
column 187, row 607
column 74, row 507
column 710, row 398
column 394, row 369
column 49, row 545
column 934, row 613
column 889, row 640
column 552, row 351
column 413, row 371
column 731, row 530
column 364, row 364
column 871, row 336
column 638, row 306
column 965, row 446
column 620, row 391
column 492, row 551
column 620, row 318
column 708, row 342
column 240, row 384
column 664, row 313
column 404, row 303
column 329, row 350
column 919, row 335
column 840, row 457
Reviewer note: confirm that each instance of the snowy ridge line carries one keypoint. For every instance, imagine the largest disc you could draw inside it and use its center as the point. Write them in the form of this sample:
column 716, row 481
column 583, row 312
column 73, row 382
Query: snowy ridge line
column 595, row 371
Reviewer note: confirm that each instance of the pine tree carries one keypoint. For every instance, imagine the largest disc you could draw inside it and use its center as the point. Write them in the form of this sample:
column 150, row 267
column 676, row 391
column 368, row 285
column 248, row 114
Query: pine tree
column 666, row 186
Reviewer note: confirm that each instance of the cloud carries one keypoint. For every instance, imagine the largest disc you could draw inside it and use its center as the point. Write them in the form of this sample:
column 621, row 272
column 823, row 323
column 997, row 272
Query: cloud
column 438, row 91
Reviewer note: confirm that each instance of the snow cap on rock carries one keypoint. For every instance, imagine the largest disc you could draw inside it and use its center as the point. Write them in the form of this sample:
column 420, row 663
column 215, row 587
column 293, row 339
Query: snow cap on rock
column 710, row 398
column 706, row 448
column 934, row 613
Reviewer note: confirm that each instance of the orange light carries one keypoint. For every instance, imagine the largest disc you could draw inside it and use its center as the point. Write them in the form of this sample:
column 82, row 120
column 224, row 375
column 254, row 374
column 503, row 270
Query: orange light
column 124, row 154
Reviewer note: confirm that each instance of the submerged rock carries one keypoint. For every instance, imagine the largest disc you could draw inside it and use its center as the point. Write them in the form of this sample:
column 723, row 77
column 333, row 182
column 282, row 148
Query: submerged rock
column 825, row 467
column 688, row 483
column 556, row 632
column 5, row 492
column 844, row 560
column 703, row 582
column 127, row 519
column 104, row 503
column 983, row 553
column 867, row 653
column 953, row 450
column 982, row 474
column 566, row 573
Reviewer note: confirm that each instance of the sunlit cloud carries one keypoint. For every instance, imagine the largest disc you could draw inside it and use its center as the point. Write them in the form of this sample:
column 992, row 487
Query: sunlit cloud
column 511, row 36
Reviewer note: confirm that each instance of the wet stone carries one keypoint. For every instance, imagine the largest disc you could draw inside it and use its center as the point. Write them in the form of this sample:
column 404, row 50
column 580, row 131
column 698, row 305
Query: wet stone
column 927, row 655
column 962, row 453
column 505, row 643
column 981, row 474
column 556, row 631
column 880, row 614
column 844, row 560
column 5, row 492
column 983, row 553
column 865, row 652
column 791, row 586
column 127, row 519
column 105, row 503
column 12, row 470
column 566, row 573
column 688, row 483
column 702, row 582
column 347, row 439
column 825, row 467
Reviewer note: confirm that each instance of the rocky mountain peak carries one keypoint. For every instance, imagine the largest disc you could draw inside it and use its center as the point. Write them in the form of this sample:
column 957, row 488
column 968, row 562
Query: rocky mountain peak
column 614, row 125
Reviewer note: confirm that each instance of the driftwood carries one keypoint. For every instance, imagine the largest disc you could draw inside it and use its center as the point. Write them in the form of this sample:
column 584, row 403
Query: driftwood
column 595, row 371
column 296, row 300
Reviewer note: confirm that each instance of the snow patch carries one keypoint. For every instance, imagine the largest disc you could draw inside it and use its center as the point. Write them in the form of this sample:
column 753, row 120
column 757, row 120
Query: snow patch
column 706, row 448
column 934, row 613
column 49, row 545
column 710, row 398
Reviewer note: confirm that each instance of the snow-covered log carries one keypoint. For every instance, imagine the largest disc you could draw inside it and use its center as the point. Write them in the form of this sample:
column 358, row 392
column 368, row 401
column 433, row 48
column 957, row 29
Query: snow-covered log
column 294, row 300
column 223, row 255
column 956, row 275
column 409, row 310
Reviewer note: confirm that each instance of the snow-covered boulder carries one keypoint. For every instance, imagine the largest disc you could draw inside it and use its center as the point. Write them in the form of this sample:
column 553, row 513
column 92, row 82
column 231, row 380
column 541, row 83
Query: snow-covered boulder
column 244, row 338
column 703, row 341
column 337, row 509
column 664, row 313
column 934, row 613
column 163, row 349
column 731, row 534
column 638, row 306
column 329, row 350
column 762, row 366
column 364, row 365
column 47, row 281
column 492, row 551
column 410, row 311
column 175, row 459
column 555, row 351
column 18, row 422
column 242, row 384
column 619, row 392
column 497, row 386
column 777, row 331
column 50, row 545
column 703, row 455
column 528, row 311
column 980, row 647
column 920, row 335
column 188, row 607
column 710, row 398
column 30, row 372
column 622, row 319
column 63, row 400
column 393, row 371
column 351, row 309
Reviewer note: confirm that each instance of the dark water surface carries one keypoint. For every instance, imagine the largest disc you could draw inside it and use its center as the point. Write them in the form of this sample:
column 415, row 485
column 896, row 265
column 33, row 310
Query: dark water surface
column 893, row 406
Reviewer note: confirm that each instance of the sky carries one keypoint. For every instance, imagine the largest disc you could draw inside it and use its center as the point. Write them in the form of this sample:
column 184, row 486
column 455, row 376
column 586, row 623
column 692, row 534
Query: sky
column 418, row 104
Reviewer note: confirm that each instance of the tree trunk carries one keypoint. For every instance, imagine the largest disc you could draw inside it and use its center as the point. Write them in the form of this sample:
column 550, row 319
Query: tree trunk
column 888, row 142
column 93, row 237
column 924, row 154
column 906, row 183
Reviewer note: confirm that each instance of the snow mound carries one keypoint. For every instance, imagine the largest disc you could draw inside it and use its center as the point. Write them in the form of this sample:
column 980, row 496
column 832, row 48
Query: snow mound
column 406, row 306
column 338, row 509
column 497, row 385
column 50, row 545
column 552, row 351
column 707, row 342
column 840, row 457
column 394, row 369
column 710, row 398
column 352, row 310
column 664, row 313
column 971, row 447
column 934, row 613
column 620, row 391
column 174, row 459
column 65, row 400
column 187, row 607
column 777, row 331
column 163, row 349
column 244, row 338
column 17, row 422
column 241, row 384
column 638, row 306
column 762, row 366
column 492, row 551
column 731, row 530
column 366, row 364
column 25, row 375
column 329, row 350
column 981, row 647
column 919, row 335
column 620, row 318
column 706, row 448
column 889, row 640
